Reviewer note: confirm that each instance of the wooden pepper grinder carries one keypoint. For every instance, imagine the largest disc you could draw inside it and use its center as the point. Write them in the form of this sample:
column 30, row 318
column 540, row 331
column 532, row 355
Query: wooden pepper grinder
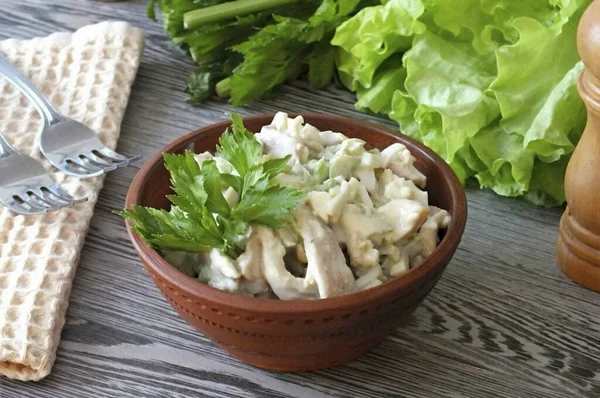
column 579, row 234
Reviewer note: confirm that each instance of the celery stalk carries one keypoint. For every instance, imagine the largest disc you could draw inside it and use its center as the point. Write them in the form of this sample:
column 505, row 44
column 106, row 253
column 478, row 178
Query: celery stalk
column 223, row 88
column 221, row 12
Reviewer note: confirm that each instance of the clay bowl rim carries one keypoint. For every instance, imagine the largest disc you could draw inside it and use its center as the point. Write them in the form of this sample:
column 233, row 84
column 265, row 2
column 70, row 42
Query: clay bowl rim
column 192, row 287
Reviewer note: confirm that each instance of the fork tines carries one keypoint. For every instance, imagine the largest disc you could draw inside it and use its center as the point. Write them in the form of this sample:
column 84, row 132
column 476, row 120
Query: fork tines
column 42, row 200
column 97, row 162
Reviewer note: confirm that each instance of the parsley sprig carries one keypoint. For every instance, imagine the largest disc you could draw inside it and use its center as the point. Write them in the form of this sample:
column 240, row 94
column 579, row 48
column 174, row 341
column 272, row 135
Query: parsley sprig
column 200, row 217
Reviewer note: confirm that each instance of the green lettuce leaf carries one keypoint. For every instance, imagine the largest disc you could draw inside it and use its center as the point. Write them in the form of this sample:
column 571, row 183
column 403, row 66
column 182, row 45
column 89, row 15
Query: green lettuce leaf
column 490, row 85
column 477, row 27
column 558, row 125
column 403, row 112
column 520, row 65
column 389, row 78
column 546, row 188
column 508, row 163
column 451, row 79
column 374, row 34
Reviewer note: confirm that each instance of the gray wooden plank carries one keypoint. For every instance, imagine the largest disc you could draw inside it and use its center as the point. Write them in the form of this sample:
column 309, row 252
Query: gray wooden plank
column 502, row 322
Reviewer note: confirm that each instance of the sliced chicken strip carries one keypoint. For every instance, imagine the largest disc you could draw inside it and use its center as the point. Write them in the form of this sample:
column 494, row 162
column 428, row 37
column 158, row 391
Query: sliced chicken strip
column 406, row 215
column 362, row 253
column 326, row 261
column 355, row 221
column 285, row 285
column 401, row 188
column 275, row 143
column 280, row 121
column 250, row 262
column 287, row 236
column 330, row 138
column 428, row 235
column 201, row 157
column 346, row 193
column 311, row 138
column 398, row 158
column 367, row 178
column 223, row 264
column 278, row 143
column 370, row 278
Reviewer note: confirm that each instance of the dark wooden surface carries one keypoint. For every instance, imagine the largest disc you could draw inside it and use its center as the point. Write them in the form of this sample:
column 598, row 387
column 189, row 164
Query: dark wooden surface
column 502, row 322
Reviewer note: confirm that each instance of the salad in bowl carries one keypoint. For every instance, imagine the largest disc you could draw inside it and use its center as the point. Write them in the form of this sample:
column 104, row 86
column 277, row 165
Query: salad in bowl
column 293, row 212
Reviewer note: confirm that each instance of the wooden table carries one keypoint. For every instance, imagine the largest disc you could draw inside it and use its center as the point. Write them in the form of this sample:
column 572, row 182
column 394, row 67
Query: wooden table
column 502, row 322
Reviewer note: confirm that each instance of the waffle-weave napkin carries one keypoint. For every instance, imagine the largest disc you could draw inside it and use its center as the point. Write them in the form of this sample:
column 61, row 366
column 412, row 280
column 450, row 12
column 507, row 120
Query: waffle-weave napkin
column 87, row 75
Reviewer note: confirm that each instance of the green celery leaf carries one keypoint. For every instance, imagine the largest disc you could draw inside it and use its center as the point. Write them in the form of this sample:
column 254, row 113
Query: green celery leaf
column 169, row 231
column 271, row 56
column 215, row 202
column 272, row 167
column 151, row 9
column 200, row 217
column 232, row 229
column 284, row 50
column 201, row 85
column 321, row 65
column 271, row 207
column 234, row 182
column 214, row 41
column 239, row 147
column 186, row 179
column 256, row 180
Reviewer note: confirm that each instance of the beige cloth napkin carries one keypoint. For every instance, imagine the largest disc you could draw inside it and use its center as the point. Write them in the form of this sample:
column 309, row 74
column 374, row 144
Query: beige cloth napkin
column 87, row 75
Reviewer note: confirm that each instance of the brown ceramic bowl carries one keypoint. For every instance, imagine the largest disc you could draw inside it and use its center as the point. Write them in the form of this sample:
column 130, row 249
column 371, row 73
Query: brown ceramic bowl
column 301, row 334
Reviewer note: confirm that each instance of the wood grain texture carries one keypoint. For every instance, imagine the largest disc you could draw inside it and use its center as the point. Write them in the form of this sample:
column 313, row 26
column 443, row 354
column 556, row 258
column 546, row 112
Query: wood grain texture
column 502, row 322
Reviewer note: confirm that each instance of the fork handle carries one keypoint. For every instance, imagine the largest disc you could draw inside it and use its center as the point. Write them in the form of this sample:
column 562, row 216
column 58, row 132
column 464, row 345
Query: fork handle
column 12, row 74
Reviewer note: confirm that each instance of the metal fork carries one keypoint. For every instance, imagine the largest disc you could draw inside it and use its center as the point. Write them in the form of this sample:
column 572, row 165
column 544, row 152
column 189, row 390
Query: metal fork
column 70, row 146
column 25, row 186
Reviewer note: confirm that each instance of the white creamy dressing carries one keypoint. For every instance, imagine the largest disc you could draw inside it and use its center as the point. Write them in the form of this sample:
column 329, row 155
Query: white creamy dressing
column 370, row 203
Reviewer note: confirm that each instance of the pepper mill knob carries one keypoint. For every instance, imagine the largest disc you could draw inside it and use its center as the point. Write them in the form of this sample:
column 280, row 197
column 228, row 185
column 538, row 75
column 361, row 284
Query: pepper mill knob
column 579, row 232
